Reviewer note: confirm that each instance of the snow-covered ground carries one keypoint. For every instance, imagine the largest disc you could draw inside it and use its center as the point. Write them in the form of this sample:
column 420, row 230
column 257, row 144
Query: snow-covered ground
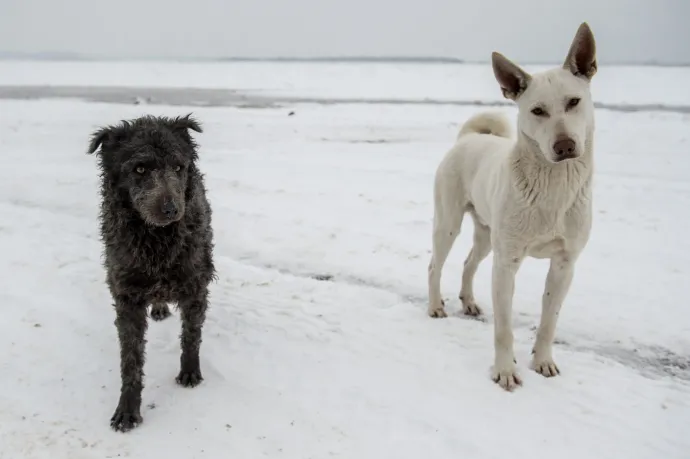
column 349, row 367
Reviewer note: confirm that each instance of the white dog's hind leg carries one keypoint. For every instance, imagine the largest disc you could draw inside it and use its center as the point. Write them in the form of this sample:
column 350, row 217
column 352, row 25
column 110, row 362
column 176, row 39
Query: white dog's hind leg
column 558, row 282
column 503, row 287
column 446, row 230
column 480, row 250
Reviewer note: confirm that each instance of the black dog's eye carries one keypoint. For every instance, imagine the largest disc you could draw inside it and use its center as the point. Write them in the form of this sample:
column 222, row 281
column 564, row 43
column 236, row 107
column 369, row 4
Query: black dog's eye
column 140, row 169
column 538, row 111
column 177, row 168
column 573, row 102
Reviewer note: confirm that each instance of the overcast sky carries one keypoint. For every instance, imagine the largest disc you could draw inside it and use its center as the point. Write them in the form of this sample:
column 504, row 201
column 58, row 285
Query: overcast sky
column 525, row 30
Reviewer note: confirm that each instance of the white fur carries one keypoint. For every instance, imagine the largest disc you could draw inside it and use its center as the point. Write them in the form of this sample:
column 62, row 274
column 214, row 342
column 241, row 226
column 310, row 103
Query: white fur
column 522, row 201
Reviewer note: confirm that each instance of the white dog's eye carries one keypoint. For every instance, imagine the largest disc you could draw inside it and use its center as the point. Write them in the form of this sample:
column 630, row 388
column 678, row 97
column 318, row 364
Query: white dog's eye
column 573, row 102
column 141, row 170
column 538, row 111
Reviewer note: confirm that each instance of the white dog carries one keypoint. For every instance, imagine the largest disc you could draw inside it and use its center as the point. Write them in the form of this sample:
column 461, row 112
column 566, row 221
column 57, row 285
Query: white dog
column 531, row 196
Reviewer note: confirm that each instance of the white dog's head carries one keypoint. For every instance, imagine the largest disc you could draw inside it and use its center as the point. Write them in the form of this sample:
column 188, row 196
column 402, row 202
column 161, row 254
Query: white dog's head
column 555, row 107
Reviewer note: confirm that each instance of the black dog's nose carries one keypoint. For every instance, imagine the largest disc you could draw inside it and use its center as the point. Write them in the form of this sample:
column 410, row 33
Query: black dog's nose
column 169, row 209
column 564, row 147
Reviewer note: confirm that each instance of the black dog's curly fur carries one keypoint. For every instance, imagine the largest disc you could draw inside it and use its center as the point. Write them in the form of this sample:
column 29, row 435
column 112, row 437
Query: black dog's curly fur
column 156, row 229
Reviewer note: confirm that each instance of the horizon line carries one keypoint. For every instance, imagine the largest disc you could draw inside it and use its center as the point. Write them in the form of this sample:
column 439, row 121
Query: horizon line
column 68, row 56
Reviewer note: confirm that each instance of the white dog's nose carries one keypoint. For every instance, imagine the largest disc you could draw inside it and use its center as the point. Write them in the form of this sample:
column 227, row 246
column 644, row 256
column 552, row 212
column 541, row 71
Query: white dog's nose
column 564, row 148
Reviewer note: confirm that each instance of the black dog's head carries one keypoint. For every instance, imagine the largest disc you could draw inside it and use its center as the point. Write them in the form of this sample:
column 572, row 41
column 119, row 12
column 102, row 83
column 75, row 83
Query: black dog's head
column 149, row 161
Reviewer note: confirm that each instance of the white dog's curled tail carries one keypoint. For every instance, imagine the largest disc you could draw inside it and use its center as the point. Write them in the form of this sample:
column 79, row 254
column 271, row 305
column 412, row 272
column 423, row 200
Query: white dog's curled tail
column 493, row 123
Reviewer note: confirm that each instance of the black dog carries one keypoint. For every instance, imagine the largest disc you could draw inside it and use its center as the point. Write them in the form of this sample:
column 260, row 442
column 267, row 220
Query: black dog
column 156, row 228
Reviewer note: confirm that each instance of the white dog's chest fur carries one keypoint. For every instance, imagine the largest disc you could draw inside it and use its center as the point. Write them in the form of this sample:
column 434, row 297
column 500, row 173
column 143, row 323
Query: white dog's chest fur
column 545, row 232
column 531, row 209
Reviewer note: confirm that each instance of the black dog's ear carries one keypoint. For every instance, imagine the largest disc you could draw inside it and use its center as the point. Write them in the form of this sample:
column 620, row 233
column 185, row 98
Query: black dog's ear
column 107, row 137
column 97, row 138
column 184, row 123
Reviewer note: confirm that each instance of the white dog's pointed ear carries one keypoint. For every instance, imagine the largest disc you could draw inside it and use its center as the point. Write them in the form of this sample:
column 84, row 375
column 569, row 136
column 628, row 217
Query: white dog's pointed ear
column 512, row 79
column 582, row 57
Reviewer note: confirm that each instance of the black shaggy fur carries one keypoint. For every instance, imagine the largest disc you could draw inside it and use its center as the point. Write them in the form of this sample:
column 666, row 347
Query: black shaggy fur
column 156, row 228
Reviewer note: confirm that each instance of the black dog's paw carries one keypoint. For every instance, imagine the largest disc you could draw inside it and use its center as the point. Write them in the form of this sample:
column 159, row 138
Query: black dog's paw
column 160, row 312
column 189, row 378
column 123, row 421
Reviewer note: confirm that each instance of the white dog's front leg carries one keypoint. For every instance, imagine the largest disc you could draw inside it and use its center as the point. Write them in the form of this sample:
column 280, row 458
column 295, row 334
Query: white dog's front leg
column 503, row 286
column 558, row 282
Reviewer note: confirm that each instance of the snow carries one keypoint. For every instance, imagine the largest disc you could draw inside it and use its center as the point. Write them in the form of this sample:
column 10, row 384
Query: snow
column 349, row 367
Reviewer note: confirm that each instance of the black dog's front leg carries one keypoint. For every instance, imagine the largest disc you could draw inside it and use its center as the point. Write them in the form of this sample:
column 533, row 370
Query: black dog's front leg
column 193, row 313
column 131, row 328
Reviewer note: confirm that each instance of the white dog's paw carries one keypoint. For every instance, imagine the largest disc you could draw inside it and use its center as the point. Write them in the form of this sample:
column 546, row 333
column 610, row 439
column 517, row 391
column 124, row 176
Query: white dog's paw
column 437, row 311
column 545, row 366
column 507, row 377
column 470, row 308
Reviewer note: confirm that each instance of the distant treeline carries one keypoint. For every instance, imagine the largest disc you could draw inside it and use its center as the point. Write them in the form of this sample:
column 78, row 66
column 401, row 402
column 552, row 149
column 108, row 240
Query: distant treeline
column 67, row 56
column 356, row 59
